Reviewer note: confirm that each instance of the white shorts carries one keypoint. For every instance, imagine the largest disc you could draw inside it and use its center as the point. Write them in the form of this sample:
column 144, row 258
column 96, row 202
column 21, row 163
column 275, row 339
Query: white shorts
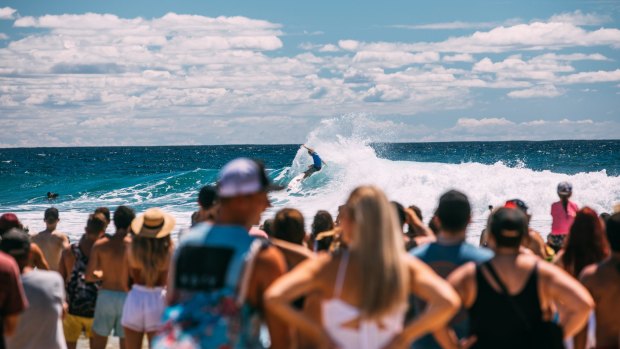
column 143, row 308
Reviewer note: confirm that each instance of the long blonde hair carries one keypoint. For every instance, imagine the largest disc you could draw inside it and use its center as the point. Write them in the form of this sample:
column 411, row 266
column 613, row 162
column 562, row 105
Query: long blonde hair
column 379, row 244
column 150, row 256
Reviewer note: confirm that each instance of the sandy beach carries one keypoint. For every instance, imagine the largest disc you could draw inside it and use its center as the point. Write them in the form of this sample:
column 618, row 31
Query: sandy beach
column 112, row 343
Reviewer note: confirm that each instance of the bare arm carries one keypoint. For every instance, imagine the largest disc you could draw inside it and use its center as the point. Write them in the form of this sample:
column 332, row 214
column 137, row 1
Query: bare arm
column 62, row 266
column 270, row 265
column 10, row 324
column 441, row 299
column 415, row 223
column 65, row 241
column 93, row 272
column 303, row 280
column 572, row 299
column 37, row 257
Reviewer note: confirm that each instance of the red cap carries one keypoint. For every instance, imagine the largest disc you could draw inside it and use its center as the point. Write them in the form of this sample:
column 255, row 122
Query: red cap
column 9, row 221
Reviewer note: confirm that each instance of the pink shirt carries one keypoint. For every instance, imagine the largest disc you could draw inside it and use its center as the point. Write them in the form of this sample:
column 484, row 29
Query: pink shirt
column 562, row 220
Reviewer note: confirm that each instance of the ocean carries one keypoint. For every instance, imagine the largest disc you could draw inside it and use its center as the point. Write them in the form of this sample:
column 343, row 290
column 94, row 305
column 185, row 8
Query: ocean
column 411, row 173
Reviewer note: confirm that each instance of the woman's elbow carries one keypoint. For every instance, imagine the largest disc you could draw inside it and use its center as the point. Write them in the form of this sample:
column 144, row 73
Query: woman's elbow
column 453, row 302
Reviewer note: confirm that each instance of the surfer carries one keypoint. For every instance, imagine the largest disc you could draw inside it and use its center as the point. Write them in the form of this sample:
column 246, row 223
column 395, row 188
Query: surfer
column 317, row 162
column 52, row 196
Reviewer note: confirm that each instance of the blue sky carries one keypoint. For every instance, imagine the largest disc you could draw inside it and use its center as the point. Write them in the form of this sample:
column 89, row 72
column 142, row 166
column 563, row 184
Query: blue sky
column 193, row 72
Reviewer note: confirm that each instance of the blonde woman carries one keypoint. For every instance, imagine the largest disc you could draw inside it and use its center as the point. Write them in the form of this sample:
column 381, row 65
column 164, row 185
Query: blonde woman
column 364, row 289
column 149, row 257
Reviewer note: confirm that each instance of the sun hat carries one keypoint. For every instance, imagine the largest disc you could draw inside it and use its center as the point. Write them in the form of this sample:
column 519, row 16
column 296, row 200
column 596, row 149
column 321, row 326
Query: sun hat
column 15, row 242
column 565, row 188
column 243, row 176
column 153, row 223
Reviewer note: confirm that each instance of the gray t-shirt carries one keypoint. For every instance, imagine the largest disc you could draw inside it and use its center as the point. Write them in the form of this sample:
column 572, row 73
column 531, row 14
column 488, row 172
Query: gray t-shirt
column 40, row 326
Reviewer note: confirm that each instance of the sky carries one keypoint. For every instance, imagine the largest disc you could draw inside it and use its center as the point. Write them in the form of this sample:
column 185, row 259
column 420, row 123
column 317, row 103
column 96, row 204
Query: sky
column 106, row 73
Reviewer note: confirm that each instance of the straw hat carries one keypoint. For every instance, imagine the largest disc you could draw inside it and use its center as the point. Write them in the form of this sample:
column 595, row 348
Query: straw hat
column 154, row 223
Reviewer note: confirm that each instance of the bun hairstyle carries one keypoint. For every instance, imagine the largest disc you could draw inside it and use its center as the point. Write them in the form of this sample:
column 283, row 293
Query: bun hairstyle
column 508, row 226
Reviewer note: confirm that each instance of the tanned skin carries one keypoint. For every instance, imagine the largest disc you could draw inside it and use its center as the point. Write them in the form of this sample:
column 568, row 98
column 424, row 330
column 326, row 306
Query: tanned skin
column 603, row 282
column 52, row 243
column 108, row 264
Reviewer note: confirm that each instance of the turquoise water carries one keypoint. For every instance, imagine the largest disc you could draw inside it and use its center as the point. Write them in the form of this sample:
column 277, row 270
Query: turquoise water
column 415, row 173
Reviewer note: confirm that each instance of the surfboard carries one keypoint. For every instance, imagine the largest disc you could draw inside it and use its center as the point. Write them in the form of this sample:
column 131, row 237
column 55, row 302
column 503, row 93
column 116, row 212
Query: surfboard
column 295, row 183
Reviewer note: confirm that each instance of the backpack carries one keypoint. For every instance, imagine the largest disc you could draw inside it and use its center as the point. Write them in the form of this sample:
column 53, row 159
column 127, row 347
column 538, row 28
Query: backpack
column 212, row 270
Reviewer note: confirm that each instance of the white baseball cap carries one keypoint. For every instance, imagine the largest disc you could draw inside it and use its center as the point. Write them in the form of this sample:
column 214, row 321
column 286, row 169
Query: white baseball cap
column 243, row 176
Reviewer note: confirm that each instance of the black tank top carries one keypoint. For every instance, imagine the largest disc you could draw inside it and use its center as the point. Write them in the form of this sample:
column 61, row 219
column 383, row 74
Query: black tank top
column 495, row 322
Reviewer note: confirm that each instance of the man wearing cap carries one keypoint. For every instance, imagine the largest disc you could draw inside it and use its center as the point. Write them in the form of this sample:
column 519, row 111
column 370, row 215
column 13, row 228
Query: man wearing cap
column 51, row 241
column 511, row 297
column 108, row 264
column 40, row 324
column 533, row 241
column 563, row 214
column 37, row 259
column 221, row 266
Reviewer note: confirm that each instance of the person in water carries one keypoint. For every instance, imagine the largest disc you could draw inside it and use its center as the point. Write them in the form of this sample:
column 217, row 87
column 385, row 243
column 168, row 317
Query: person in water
column 317, row 164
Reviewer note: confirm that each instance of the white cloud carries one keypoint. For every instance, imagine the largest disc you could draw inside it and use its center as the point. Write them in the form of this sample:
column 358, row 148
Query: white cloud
column 448, row 25
column 348, row 45
column 542, row 91
column 591, row 77
column 459, row 57
column 572, row 57
column 329, row 48
column 384, row 93
column 394, row 59
column 207, row 72
column 484, row 122
column 532, row 36
column 7, row 13
column 3, row 36
column 515, row 67
column 580, row 18
column 473, row 129
column 577, row 18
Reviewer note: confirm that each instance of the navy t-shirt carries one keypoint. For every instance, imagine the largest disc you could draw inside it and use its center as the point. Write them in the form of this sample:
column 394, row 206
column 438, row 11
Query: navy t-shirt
column 444, row 258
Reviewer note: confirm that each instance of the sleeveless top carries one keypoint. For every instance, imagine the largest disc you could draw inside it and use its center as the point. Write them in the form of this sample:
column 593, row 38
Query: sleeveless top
column 369, row 334
column 81, row 295
column 212, row 267
column 495, row 322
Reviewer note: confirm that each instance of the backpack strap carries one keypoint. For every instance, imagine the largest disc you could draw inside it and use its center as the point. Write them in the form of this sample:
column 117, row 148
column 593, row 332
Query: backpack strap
column 257, row 246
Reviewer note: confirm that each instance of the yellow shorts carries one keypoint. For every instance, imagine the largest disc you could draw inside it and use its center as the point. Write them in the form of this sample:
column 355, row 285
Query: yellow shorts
column 74, row 325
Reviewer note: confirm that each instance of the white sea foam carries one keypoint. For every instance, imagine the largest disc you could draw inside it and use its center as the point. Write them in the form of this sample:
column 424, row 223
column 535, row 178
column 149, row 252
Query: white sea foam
column 344, row 145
